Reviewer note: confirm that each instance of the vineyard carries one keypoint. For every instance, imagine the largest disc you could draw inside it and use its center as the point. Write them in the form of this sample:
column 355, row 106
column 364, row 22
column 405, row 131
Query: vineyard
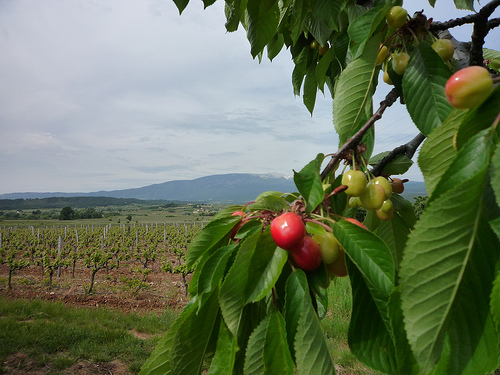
column 131, row 266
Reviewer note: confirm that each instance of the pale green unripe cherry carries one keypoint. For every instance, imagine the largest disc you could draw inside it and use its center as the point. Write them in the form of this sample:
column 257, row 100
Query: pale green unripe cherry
column 355, row 181
column 329, row 247
column 400, row 62
column 373, row 197
column 386, row 206
column 384, row 182
column 354, row 202
column 444, row 48
column 382, row 55
column 386, row 212
column 396, row 17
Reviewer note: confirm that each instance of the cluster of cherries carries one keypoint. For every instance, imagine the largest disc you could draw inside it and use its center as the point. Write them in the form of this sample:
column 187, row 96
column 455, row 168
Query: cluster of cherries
column 465, row 89
column 373, row 195
column 308, row 251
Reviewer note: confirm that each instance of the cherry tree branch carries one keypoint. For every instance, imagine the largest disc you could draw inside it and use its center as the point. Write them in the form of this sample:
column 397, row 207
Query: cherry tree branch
column 494, row 22
column 407, row 149
column 480, row 29
column 354, row 141
column 485, row 11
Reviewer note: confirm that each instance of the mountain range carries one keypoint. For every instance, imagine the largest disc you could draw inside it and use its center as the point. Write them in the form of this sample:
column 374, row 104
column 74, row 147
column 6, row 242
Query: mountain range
column 224, row 188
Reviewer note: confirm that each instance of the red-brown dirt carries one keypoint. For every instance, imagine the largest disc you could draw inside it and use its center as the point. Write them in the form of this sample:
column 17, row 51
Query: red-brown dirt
column 161, row 291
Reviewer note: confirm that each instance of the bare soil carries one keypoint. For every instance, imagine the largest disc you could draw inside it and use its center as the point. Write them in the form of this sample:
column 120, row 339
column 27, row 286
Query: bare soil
column 113, row 289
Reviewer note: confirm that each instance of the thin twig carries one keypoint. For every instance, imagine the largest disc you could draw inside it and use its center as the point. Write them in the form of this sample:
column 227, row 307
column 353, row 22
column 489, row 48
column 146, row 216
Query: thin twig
column 407, row 149
column 354, row 141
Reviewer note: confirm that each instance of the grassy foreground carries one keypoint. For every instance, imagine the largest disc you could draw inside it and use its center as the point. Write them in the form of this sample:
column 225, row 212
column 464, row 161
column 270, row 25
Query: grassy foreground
column 55, row 336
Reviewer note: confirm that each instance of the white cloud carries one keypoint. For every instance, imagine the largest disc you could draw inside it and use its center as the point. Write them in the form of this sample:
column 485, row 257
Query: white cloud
column 112, row 94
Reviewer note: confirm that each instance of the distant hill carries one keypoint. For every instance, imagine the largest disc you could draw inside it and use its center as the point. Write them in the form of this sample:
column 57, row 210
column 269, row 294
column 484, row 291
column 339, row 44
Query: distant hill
column 223, row 188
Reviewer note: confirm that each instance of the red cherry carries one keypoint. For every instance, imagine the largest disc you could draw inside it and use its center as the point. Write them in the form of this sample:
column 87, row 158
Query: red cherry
column 287, row 230
column 397, row 185
column 338, row 268
column 468, row 87
column 307, row 254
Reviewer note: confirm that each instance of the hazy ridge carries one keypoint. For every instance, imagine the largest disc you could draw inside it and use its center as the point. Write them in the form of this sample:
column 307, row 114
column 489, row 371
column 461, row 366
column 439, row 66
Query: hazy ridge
column 223, row 188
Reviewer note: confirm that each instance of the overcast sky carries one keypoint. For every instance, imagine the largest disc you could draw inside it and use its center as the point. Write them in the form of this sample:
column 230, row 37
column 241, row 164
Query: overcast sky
column 115, row 94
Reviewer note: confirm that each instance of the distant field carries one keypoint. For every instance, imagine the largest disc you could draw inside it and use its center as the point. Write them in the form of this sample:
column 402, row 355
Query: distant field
column 140, row 214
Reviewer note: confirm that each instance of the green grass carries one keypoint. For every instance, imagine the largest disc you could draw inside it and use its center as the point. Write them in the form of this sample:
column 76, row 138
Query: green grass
column 57, row 336
column 336, row 325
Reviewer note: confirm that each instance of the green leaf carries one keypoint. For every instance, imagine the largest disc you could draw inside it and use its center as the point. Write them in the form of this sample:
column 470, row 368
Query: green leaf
column 479, row 118
column 318, row 29
column 423, row 88
column 474, row 340
column 354, row 90
column 437, row 152
column 298, row 11
column 369, row 337
column 207, row 3
column 267, row 351
column 224, row 358
column 232, row 296
column 490, row 54
column 308, row 182
column 300, row 69
column 373, row 259
column 233, row 12
column 495, row 179
column 364, row 26
column 265, row 267
column 404, row 357
column 397, row 166
column 182, row 350
column 310, row 88
column 323, row 66
column 312, row 355
column 495, row 304
column 439, row 250
column 274, row 46
column 270, row 201
column 263, row 19
column 181, row 5
column 254, row 363
column 255, row 270
column 211, row 272
column 464, row 4
column 394, row 233
column 277, row 358
column 327, row 11
column 470, row 162
column 209, row 237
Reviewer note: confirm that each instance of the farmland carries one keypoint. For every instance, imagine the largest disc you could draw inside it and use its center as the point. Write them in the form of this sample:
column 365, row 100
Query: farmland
column 129, row 261
column 124, row 266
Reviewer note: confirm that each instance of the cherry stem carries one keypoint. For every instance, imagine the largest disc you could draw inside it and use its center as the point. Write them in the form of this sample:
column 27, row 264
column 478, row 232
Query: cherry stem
column 274, row 298
column 327, row 227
